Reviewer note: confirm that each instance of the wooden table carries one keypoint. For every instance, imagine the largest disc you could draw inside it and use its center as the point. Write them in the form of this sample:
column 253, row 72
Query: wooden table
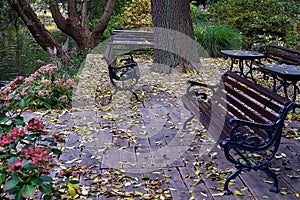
column 242, row 58
column 286, row 75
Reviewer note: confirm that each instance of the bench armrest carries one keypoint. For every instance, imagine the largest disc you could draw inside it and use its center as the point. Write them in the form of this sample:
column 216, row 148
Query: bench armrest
column 241, row 122
column 198, row 94
column 250, row 142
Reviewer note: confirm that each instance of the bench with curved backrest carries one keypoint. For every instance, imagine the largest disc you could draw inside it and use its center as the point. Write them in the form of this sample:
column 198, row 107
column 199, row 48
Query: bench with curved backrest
column 124, row 43
column 245, row 118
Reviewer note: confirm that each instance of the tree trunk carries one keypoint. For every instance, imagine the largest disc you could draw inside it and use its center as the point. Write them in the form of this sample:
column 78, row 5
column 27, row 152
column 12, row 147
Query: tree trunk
column 75, row 25
column 42, row 36
column 174, row 34
column 71, row 25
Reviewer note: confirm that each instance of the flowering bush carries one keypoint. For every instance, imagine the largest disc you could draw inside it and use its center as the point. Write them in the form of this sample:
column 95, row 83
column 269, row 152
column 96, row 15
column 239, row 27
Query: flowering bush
column 27, row 154
column 42, row 89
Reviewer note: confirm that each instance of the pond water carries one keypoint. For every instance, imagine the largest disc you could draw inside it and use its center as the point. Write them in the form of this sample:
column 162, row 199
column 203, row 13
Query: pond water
column 20, row 55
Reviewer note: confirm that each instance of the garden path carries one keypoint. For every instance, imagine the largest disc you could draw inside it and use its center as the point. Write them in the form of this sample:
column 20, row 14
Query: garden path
column 131, row 149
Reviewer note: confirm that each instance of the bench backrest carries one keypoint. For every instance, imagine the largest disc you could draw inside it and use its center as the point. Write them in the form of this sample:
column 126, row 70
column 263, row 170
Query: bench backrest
column 130, row 37
column 282, row 54
column 247, row 100
column 240, row 98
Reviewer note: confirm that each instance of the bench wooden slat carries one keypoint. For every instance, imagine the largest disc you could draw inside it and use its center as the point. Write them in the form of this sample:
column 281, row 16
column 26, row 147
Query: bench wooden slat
column 129, row 37
column 255, row 95
column 205, row 117
column 271, row 95
column 282, row 54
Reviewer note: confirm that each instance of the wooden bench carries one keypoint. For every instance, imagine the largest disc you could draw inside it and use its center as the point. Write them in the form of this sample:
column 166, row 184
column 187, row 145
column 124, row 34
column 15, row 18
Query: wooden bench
column 282, row 55
column 245, row 118
column 123, row 43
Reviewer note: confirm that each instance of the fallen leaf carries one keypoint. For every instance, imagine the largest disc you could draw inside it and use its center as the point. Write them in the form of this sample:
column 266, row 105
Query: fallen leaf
column 239, row 193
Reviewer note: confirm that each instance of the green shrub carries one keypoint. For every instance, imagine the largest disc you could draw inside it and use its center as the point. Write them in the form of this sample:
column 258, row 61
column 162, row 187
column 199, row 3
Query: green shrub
column 260, row 21
column 214, row 38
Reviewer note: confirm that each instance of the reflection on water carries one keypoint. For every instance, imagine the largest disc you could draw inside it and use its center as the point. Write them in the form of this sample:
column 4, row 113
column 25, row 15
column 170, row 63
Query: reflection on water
column 20, row 55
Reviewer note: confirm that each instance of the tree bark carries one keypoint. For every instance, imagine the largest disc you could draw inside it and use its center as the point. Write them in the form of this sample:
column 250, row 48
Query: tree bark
column 171, row 21
column 42, row 36
column 71, row 25
column 76, row 26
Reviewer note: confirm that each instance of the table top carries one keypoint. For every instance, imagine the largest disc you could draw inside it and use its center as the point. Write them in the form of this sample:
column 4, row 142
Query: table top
column 242, row 54
column 287, row 72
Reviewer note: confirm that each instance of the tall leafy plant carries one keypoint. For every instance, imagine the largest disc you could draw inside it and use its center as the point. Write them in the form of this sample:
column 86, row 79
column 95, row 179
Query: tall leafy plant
column 214, row 38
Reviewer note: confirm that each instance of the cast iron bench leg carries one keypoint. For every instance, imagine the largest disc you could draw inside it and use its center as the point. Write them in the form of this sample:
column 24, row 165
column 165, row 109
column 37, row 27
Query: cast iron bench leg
column 228, row 179
column 272, row 175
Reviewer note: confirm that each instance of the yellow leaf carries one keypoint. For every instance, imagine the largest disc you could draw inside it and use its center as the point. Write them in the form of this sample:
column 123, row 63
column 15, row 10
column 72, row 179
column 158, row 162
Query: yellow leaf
column 106, row 108
column 223, row 182
column 72, row 189
column 297, row 195
column 218, row 194
column 239, row 193
column 197, row 172
column 52, row 120
column 138, row 193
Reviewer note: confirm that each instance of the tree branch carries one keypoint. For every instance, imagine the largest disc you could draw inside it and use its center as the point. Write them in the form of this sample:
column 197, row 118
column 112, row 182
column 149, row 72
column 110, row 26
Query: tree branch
column 102, row 23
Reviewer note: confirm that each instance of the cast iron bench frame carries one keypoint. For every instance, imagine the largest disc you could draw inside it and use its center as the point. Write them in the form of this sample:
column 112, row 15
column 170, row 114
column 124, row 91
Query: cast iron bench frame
column 119, row 75
column 253, row 120
column 125, row 42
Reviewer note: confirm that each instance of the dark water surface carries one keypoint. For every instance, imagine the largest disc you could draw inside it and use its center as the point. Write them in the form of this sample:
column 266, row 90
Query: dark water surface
column 19, row 55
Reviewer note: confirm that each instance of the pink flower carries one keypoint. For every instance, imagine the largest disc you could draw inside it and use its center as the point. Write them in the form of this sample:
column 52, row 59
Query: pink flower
column 44, row 93
column 37, row 156
column 4, row 98
column 19, row 79
column 74, row 174
column 58, row 82
column 48, row 69
column 10, row 168
column 17, row 163
column 70, row 82
column 36, row 126
column 46, row 82
column 9, row 138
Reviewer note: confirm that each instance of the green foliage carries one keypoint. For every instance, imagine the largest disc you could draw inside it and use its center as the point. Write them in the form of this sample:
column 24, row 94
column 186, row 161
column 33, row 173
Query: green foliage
column 194, row 10
column 260, row 21
column 43, row 89
column 214, row 38
column 26, row 157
